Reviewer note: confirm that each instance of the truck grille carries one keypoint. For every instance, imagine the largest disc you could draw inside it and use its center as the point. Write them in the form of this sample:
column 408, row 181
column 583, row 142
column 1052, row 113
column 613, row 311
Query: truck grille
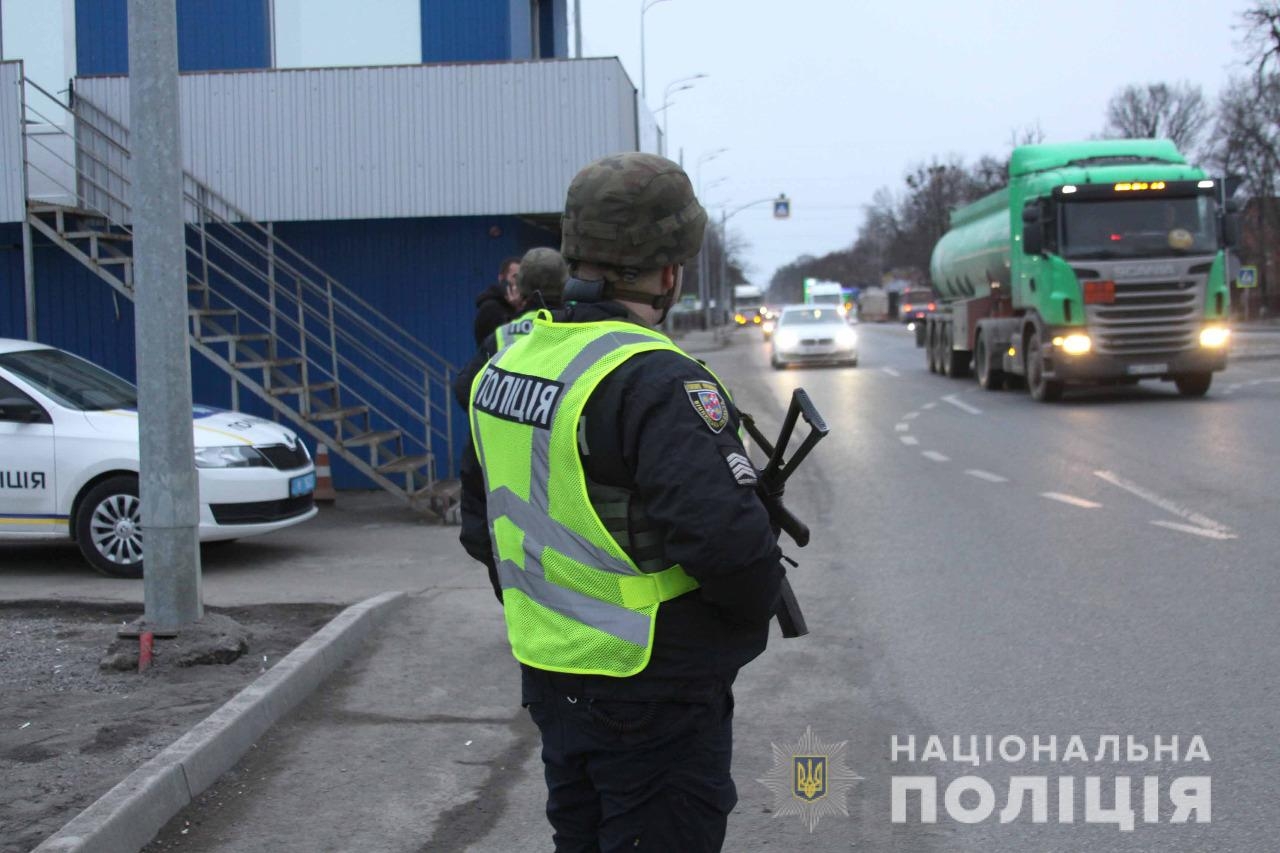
column 1147, row 317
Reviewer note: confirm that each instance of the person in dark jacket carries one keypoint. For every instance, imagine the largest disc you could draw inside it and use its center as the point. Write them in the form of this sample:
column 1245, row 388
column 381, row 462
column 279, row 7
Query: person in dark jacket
column 639, row 761
column 499, row 302
column 540, row 284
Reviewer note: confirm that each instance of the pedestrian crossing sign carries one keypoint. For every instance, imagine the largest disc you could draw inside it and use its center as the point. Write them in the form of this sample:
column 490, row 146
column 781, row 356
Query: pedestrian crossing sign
column 1247, row 277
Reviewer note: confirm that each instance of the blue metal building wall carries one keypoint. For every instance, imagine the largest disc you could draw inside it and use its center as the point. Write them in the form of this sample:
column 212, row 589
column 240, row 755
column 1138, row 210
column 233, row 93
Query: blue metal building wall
column 212, row 35
column 469, row 30
column 13, row 312
column 424, row 273
column 79, row 312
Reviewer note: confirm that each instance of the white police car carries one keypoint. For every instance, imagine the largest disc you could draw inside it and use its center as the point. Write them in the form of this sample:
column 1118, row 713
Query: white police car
column 69, row 462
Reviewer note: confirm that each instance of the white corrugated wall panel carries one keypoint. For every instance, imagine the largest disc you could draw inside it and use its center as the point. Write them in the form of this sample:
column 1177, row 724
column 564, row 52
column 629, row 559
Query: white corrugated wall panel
column 13, row 204
column 501, row 138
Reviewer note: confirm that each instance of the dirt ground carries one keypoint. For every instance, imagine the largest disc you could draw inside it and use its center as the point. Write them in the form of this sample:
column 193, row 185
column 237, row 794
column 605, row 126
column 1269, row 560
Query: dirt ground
column 70, row 730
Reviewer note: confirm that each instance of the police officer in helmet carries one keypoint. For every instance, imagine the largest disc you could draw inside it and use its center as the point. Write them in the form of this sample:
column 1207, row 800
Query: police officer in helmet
column 613, row 505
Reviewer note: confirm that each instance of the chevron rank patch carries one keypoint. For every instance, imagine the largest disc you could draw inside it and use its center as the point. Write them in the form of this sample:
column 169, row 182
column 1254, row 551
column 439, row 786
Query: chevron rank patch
column 706, row 400
column 741, row 468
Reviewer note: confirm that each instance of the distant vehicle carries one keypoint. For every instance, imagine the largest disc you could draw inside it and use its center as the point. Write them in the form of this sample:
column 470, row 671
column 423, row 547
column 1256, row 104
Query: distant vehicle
column 1101, row 262
column 748, row 305
column 823, row 293
column 915, row 305
column 873, row 305
column 69, row 462
column 809, row 334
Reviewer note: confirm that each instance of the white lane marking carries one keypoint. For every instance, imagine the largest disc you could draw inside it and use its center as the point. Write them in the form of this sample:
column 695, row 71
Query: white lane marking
column 909, row 440
column 1070, row 499
column 901, row 427
column 891, row 371
column 986, row 475
column 1164, row 503
column 910, row 416
column 1198, row 531
column 961, row 405
column 928, row 406
column 935, row 456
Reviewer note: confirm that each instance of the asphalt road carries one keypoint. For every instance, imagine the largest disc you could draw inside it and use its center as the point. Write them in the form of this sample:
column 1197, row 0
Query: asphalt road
column 981, row 565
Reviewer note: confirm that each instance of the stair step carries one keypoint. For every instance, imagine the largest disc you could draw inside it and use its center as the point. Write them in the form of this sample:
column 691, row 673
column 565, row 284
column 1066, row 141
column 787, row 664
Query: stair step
column 101, row 235
column 125, row 259
column 280, row 390
column 212, row 312
column 371, row 438
column 338, row 414
column 267, row 362
column 405, row 463
column 222, row 339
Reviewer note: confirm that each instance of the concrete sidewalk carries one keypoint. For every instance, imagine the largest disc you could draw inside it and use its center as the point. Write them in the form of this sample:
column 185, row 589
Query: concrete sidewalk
column 406, row 748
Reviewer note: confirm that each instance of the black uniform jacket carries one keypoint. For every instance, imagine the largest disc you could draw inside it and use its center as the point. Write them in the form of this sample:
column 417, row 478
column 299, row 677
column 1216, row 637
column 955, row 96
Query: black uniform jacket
column 492, row 310
column 643, row 431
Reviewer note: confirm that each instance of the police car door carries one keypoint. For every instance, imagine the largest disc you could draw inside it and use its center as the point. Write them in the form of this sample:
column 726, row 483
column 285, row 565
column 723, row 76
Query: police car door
column 27, row 493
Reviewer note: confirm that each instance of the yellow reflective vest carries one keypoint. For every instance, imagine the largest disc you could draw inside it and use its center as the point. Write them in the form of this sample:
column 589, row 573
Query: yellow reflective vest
column 573, row 600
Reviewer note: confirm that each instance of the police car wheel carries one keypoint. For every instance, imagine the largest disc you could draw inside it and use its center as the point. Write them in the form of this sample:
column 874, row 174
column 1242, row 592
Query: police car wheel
column 109, row 527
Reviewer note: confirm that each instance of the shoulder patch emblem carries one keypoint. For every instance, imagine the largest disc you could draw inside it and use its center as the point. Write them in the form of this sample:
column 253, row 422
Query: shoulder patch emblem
column 706, row 400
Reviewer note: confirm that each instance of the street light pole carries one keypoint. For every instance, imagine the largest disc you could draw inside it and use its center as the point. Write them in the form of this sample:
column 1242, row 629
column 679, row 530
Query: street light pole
column 645, row 6
column 704, row 266
column 684, row 83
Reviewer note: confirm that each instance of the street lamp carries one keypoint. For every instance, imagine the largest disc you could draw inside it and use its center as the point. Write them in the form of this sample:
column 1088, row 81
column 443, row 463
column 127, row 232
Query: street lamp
column 697, row 167
column 645, row 6
column 725, row 216
column 683, row 83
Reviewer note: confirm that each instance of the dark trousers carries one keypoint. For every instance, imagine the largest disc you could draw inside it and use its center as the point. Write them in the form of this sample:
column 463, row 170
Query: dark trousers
column 637, row 776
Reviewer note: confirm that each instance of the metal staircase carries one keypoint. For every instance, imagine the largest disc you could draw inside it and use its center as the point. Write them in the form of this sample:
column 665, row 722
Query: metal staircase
column 313, row 350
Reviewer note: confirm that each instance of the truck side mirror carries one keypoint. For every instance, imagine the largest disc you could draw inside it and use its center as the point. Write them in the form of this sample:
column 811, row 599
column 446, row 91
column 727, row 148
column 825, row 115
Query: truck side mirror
column 1230, row 230
column 1032, row 230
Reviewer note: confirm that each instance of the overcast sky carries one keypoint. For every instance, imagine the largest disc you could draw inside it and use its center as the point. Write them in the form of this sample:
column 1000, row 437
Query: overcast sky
column 827, row 100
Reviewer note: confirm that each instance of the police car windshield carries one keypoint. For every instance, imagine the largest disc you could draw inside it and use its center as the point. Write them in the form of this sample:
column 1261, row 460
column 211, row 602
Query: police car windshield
column 71, row 381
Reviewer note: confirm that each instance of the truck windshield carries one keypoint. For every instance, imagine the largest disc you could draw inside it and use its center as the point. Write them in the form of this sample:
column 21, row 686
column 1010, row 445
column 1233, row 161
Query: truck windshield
column 71, row 381
column 1138, row 228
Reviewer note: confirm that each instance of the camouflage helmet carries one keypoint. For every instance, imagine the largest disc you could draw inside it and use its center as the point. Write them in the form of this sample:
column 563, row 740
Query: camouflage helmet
column 632, row 211
column 544, row 271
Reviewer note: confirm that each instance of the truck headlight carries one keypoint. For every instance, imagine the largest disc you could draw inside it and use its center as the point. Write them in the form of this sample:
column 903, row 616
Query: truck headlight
column 1074, row 344
column 236, row 456
column 1214, row 336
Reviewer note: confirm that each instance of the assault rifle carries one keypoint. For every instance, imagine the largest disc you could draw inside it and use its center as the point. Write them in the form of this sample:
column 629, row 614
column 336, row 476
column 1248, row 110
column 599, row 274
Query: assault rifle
column 770, row 487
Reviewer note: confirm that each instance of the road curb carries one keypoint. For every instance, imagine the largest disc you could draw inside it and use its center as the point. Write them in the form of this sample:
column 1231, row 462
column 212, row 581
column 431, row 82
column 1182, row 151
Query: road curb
column 128, row 816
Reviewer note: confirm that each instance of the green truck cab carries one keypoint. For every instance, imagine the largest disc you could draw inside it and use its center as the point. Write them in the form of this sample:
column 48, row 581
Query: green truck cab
column 1101, row 262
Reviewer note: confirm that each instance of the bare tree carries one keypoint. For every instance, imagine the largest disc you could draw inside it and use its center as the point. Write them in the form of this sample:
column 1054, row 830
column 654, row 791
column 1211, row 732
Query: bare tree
column 1158, row 111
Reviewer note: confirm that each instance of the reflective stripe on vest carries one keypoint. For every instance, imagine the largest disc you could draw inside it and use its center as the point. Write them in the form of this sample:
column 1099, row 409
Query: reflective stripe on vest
column 573, row 600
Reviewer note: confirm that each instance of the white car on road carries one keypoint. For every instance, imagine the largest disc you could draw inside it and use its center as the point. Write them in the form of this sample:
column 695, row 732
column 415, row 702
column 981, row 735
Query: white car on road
column 69, row 462
column 808, row 334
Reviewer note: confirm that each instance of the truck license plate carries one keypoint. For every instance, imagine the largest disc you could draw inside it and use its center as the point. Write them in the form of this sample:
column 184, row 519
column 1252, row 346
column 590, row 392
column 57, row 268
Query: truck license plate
column 1147, row 369
column 304, row 485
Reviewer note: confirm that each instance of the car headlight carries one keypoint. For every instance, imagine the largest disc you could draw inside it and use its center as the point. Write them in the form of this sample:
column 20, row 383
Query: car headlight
column 846, row 339
column 237, row 456
column 785, row 339
column 1214, row 336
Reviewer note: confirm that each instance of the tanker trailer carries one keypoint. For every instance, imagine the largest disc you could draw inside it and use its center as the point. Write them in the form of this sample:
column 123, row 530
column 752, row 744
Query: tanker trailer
column 1101, row 262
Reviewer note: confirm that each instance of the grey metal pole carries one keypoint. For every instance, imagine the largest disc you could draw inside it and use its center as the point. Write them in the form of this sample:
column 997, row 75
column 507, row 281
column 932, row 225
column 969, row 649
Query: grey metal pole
column 29, row 279
column 723, row 302
column 168, row 484
column 577, row 29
